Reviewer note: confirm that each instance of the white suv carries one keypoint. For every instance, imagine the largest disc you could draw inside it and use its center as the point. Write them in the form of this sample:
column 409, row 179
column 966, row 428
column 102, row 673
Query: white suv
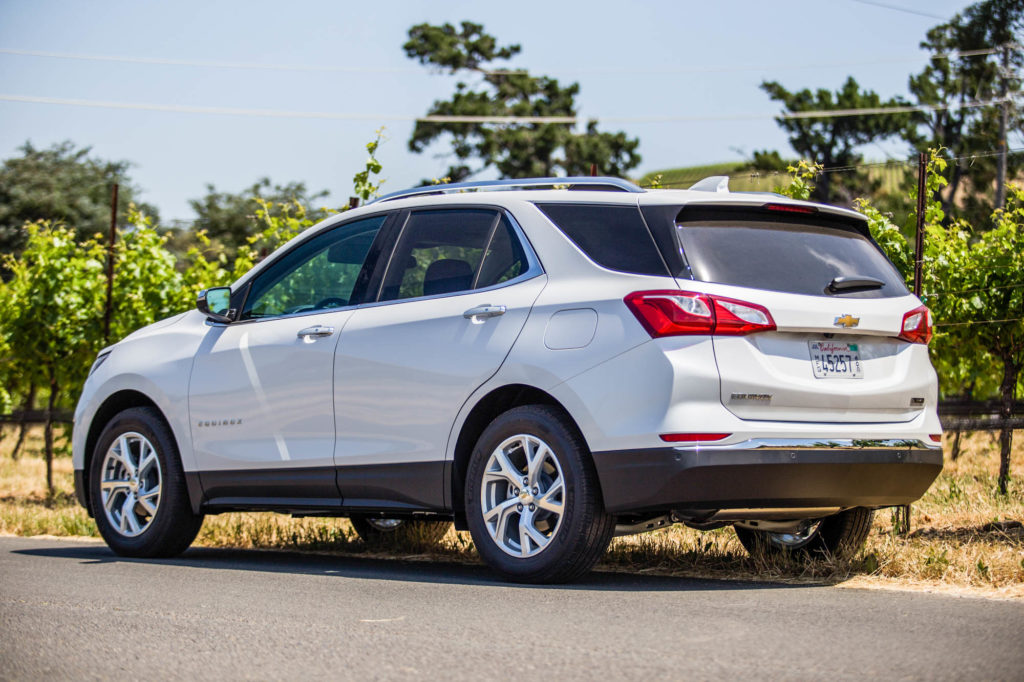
column 547, row 367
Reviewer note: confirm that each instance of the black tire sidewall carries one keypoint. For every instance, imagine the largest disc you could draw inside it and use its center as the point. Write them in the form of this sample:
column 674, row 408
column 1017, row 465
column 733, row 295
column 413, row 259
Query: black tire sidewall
column 174, row 518
column 544, row 423
column 839, row 536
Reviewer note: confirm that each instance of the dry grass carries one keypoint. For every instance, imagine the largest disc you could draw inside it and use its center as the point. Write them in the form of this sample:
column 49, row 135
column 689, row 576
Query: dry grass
column 964, row 535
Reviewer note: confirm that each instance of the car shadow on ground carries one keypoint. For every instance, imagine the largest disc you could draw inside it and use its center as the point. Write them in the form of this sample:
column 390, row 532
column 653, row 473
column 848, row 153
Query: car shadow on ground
column 397, row 569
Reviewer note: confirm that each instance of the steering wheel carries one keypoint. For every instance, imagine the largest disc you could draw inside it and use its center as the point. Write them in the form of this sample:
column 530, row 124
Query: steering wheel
column 330, row 302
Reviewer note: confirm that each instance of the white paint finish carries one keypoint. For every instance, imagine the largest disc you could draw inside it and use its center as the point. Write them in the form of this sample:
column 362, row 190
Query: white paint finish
column 570, row 329
column 672, row 386
column 277, row 384
column 155, row 361
column 408, row 373
column 779, row 364
column 404, row 369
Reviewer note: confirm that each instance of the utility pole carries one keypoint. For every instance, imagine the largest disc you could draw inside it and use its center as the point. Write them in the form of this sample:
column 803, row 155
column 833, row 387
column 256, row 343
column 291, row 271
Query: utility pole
column 109, row 305
column 1004, row 116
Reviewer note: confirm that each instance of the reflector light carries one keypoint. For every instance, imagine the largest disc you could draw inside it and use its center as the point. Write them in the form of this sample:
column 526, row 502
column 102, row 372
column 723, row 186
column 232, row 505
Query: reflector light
column 692, row 437
column 917, row 326
column 686, row 313
column 937, row 437
column 789, row 208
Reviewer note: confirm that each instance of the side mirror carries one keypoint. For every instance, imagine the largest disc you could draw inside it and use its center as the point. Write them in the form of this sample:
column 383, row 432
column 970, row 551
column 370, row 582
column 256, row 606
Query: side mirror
column 215, row 303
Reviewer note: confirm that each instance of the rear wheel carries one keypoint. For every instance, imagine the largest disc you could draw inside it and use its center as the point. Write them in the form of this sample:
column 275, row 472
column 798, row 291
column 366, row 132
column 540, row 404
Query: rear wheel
column 137, row 487
column 380, row 532
column 533, row 502
column 839, row 536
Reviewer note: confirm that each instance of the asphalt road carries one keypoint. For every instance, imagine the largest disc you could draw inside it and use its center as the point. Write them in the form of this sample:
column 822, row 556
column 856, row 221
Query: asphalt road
column 74, row 610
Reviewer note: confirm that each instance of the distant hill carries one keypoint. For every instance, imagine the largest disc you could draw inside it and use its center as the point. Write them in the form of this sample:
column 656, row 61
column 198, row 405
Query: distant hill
column 740, row 178
column 891, row 178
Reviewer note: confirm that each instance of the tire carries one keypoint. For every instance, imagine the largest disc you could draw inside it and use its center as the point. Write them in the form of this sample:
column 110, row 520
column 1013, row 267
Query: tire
column 839, row 536
column 559, row 547
column 390, row 533
column 165, row 526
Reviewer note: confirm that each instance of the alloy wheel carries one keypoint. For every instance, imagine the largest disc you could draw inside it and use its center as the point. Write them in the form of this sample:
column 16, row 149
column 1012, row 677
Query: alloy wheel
column 130, row 484
column 522, row 495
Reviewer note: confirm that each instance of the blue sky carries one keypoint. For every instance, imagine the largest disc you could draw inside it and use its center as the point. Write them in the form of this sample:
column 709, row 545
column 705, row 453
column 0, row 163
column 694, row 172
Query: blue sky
column 632, row 59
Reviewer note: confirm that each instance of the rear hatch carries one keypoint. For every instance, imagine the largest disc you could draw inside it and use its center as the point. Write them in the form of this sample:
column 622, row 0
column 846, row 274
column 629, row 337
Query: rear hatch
column 837, row 305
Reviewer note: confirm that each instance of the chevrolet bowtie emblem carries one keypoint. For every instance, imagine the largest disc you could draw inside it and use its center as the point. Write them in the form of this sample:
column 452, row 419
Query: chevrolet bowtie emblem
column 847, row 321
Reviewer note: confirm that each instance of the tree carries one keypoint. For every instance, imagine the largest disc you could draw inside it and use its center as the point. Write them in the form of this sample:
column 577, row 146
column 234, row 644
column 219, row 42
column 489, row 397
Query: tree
column 950, row 80
column 515, row 150
column 229, row 219
column 974, row 284
column 980, row 279
column 833, row 142
column 62, row 183
column 51, row 307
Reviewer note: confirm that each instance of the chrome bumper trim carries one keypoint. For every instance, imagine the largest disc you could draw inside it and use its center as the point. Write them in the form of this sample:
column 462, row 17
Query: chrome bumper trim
column 818, row 444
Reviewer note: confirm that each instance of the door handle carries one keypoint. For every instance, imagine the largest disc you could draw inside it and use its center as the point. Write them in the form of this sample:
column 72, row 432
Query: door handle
column 315, row 331
column 484, row 311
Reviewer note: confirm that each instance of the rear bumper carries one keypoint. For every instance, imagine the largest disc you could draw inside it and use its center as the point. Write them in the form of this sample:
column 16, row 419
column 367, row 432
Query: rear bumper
column 765, row 475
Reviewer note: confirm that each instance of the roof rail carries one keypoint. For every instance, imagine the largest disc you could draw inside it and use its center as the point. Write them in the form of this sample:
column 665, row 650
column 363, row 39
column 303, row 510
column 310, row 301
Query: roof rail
column 715, row 183
column 603, row 184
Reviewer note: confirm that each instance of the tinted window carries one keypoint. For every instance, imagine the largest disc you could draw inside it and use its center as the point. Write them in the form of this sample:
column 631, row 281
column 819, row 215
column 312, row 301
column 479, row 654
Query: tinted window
column 790, row 257
column 318, row 274
column 505, row 258
column 613, row 236
column 443, row 252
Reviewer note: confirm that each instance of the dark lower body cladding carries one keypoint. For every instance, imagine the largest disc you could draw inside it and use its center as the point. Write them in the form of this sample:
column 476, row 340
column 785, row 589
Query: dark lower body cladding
column 663, row 479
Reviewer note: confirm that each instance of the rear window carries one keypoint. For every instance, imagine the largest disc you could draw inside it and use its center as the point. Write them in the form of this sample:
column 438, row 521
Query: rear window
column 777, row 255
column 612, row 236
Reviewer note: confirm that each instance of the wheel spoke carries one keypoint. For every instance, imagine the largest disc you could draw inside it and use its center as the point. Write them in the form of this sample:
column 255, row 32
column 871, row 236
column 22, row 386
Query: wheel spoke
column 124, row 455
column 538, row 538
column 112, row 485
column 548, row 502
column 108, row 503
column 499, row 517
column 524, row 537
column 505, row 470
column 149, row 499
column 147, row 457
column 535, row 462
column 129, row 522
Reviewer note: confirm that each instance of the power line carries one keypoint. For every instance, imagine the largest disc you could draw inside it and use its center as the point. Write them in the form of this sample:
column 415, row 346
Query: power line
column 901, row 9
column 278, row 113
column 629, row 70
column 963, row 324
column 572, row 120
column 974, row 291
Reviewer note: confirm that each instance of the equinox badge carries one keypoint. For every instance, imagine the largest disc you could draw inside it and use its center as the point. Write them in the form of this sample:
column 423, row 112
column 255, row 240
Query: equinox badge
column 847, row 321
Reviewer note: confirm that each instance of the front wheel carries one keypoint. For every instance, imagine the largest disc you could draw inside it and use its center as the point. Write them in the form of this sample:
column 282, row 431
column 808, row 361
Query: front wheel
column 137, row 488
column 839, row 536
column 533, row 501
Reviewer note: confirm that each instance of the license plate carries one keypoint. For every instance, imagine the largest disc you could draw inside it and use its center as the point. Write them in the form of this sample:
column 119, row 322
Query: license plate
column 831, row 360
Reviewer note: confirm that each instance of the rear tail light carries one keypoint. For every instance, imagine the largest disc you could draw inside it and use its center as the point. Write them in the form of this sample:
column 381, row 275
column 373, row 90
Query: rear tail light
column 917, row 326
column 692, row 437
column 789, row 208
column 937, row 437
column 684, row 313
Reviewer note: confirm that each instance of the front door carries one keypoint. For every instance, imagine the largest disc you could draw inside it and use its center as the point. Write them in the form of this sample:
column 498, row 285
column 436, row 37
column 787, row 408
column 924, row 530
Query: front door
column 456, row 293
column 261, row 393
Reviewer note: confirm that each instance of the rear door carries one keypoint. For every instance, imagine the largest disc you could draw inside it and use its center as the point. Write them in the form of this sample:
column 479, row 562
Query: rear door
column 453, row 298
column 838, row 305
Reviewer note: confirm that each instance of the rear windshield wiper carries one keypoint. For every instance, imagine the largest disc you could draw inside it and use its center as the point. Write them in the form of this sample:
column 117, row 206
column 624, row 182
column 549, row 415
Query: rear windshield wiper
column 848, row 283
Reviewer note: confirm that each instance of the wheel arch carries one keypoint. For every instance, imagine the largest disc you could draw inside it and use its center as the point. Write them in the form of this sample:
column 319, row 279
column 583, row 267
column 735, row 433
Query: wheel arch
column 494, row 403
column 114, row 404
